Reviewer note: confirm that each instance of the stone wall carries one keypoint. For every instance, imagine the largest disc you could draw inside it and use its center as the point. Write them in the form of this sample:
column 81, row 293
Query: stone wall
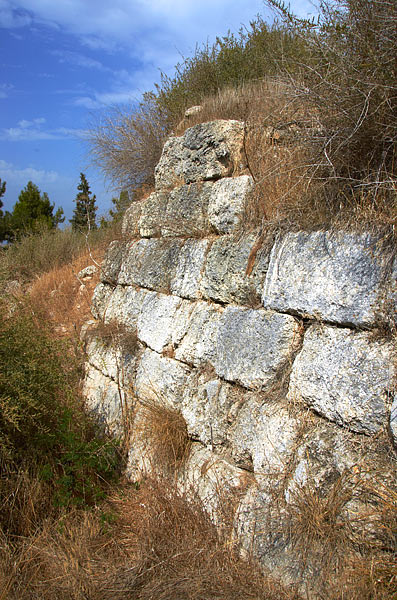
column 275, row 355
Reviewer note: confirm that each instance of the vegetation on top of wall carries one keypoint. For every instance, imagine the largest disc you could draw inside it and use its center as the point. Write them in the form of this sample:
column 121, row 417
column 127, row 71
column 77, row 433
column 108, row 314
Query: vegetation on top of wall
column 332, row 82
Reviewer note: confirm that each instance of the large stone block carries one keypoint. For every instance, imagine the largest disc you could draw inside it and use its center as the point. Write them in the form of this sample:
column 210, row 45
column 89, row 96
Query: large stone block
column 225, row 277
column 207, row 408
column 254, row 346
column 198, row 346
column 205, row 152
column 180, row 212
column 152, row 214
column 163, row 320
column 100, row 299
column 105, row 399
column 228, row 202
column 114, row 359
column 264, row 435
column 124, row 306
column 131, row 218
column 344, row 377
column 189, row 269
column 337, row 277
column 151, row 263
column 161, row 380
column 112, row 262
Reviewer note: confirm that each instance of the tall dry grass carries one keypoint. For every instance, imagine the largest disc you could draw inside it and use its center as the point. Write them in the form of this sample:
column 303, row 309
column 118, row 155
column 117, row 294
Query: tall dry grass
column 143, row 544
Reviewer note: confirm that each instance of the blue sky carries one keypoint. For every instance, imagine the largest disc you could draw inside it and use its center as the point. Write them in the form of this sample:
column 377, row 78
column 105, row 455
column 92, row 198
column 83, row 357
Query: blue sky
column 62, row 61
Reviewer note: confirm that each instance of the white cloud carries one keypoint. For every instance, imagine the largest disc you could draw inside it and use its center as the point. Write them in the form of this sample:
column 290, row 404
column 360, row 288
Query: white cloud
column 77, row 59
column 12, row 174
column 31, row 131
column 5, row 88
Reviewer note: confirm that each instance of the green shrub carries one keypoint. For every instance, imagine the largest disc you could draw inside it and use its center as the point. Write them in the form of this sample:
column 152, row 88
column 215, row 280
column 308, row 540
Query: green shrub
column 43, row 428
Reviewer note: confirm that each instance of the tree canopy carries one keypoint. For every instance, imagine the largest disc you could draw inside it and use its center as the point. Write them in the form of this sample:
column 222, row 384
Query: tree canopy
column 32, row 213
column 84, row 215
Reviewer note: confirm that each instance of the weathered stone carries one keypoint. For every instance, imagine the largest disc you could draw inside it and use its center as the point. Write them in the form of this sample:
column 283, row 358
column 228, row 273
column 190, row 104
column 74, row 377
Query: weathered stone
column 393, row 421
column 264, row 435
column 228, row 202
column 336, row 277
column 105, row 399
column 152, row 214
column 161, row 380
column 206, row 151
column 124, row 306
column 88, row 272
column 112, row 262
column 225, row 279
column 198, row 346
column 111, row 359
column 206, row 407
column 213, row 479
column 187, row 210
column 100, row 299
column 189, row 268
column 254, row 346
column 193, row 110
column 151, row 263
column 163, row 320
column 344, row 376
column 131, row 219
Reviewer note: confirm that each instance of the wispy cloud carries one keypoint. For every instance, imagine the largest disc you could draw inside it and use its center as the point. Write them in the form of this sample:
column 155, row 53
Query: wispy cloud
column 5, row 88
column 12, row 174
column 31, row 131
column 77, row 59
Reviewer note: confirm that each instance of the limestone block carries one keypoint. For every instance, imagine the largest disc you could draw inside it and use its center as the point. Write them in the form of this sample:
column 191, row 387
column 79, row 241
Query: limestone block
column 206, row 406
column 228, row 202
column 187, row 210
column 100, row 299
column 254, row 346
column 161, row 380
column 393, row 421
column 337, row 277
column 131, row 218
column 205, row 152
column 225, row 279
column 125, row 305
column 189, row 268
column 325, row 452
column 152, row 215
column 344, row 376
column 112, row 262
column 213, row 479
column 111, row 359
column 263, row 434
column 163, row 320
column 151, row 263
column 104, row 399
column 198, row 346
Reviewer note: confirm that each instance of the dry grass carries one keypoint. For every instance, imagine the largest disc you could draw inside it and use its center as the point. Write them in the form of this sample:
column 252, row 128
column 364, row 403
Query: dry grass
column 345, row 552
column 283, row 145
column 166, row 435
column 63, row 298
column 145, row 544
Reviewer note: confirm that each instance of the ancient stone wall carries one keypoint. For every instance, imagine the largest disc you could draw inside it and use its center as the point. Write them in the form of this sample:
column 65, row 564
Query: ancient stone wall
column 275, row 355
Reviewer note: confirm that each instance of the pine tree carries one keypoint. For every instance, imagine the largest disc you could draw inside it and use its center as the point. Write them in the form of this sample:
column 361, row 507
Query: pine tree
column 84, row 215
column 32, row 213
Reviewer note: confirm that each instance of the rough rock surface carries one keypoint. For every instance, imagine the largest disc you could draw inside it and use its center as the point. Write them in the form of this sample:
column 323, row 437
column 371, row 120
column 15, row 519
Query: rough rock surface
column 225, row 276
column 332, row 276
column 275, row 396
column 228, row 202
column 205, row 152
column 334, row 375
column 254, row 346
